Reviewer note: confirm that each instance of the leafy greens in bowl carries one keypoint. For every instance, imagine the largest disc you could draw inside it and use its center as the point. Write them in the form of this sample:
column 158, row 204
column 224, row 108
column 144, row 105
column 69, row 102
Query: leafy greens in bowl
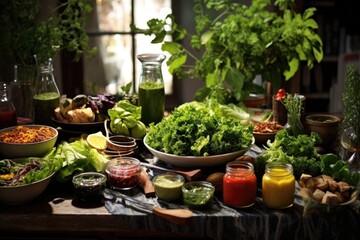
column 23, row 179
column 196, row 130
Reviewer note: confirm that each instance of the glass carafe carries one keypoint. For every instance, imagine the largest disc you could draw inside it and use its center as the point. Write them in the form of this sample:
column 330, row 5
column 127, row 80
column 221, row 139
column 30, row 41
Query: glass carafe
column 21, row 92
column 151, row 88
column 46, row 94
column 7, row 109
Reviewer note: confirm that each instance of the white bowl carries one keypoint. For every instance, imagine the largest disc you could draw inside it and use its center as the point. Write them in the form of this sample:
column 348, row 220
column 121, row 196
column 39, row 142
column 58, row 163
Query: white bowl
column 16, row 195
column 20, row 150
column 197, row 161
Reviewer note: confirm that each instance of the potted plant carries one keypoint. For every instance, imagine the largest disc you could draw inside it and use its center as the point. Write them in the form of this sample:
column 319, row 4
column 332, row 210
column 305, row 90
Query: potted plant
column 237, row 44
column 350, row 126
column 25, row 32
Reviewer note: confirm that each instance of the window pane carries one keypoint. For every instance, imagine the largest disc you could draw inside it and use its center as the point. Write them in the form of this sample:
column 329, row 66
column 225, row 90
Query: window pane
column 112, row 16
column 148, row 9
column 112, row 66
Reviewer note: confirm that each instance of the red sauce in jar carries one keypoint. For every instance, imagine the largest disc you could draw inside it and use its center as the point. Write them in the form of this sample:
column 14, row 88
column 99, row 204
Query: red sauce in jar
column 123, row 173
column 239, row 184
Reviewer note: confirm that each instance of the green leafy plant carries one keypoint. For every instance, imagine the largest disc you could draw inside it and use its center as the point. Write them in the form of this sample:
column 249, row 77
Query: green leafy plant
column 25, row 33
column 237, row 42
column 351, row 101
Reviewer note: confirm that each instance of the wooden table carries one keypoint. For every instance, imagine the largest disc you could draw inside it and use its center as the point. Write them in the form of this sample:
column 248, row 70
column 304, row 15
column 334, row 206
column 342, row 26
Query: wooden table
column 55, row 215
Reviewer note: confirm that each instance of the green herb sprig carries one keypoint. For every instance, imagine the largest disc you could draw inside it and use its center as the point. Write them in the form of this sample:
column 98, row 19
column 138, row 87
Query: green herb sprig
column 294, row 107
column 351, row 102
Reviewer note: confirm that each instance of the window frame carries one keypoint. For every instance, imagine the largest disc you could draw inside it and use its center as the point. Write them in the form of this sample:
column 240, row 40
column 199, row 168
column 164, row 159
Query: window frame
column 73, row 72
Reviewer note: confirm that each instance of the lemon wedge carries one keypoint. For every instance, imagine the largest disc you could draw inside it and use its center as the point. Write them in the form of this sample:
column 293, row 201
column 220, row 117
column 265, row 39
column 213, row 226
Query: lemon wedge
column 97, row 141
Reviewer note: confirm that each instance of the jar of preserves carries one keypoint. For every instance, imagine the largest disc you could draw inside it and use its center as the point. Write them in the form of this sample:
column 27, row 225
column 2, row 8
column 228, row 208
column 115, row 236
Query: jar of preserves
column 239, row 184
column 123, row 173
column 278, row 185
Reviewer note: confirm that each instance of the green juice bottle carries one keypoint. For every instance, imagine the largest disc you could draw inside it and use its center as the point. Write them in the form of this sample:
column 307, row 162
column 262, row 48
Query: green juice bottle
column 151, row 88
column 46, row 95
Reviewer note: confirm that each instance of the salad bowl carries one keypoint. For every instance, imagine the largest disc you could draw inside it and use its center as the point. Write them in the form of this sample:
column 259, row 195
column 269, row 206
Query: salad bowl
column 16, row 194
column 197, row 161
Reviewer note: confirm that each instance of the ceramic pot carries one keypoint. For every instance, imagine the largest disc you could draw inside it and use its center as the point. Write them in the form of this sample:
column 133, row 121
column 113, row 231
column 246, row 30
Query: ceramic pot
column 326, row 125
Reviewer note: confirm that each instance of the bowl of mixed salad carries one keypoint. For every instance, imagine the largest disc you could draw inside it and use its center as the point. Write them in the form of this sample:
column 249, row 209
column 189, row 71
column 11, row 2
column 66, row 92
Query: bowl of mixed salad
column 24, row 179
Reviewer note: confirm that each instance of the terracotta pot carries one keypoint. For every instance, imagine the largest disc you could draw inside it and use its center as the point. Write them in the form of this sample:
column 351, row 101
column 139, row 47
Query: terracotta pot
column 326, row 125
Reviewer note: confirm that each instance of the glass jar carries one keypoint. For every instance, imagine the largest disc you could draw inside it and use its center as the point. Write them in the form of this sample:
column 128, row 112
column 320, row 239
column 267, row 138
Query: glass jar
column 239, row 184
column 89, row 186
column 123, row 173
column 21, row 92
column 168, row 186
column 278, row 185
column 7, row 109
column 46, row 94
column 151, row 88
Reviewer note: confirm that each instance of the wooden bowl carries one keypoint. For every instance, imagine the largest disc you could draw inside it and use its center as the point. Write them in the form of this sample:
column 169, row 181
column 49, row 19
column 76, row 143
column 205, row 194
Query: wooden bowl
column 265, row 131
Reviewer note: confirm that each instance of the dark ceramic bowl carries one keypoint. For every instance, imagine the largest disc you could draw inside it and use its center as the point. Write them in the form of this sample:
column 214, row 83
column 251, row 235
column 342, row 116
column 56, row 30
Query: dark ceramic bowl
column 326, row 125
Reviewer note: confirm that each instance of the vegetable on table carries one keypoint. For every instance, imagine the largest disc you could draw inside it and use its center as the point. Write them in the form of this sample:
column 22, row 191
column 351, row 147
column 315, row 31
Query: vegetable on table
column 28, row 171
column 194, row 129
column 298, row 150
column 76, row 156
column 332, row 165
column 125, row 119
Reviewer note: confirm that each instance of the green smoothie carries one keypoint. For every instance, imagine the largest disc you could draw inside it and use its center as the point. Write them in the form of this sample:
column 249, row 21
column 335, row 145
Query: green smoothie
column 152, row 102
column 44, row 106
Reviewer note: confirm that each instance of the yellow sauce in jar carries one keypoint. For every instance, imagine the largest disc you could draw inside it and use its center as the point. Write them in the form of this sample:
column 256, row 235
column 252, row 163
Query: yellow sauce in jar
column 278, row 185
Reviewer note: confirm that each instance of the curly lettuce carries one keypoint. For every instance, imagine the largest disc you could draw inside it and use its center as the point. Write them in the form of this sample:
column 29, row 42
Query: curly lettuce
column 193, row 129
column 298, row 150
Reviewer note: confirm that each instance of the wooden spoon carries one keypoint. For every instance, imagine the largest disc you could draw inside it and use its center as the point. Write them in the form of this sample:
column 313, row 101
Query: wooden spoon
column 189, row 175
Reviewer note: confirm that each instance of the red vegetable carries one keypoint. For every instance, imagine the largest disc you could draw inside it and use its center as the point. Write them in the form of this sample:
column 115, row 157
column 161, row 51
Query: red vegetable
column 280, row 94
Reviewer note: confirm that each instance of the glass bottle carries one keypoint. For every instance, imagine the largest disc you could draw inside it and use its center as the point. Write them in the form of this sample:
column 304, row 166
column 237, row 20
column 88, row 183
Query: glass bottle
column 151, row 88
column 46, row 94
column 20, row 92
column 278, row 185
column 239, row 184
column 7, row 109
column 350, row 148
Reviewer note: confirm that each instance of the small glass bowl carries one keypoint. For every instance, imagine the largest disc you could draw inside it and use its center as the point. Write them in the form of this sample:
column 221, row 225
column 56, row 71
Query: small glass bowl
column 198, row 194
column 89, row 186
column 123, row 172
column 168, row 186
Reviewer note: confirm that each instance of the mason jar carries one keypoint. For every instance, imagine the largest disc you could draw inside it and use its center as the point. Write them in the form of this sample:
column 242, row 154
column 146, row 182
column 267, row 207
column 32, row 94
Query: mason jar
column 239, row 184
column 278, row 185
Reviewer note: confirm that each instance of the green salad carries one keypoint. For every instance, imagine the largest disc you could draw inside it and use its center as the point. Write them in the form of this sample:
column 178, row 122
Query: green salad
column 194, row 129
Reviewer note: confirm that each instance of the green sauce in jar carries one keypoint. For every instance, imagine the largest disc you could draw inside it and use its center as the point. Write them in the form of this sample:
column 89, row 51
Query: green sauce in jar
column 168, row 186
column 152, row 102
column 198, row 194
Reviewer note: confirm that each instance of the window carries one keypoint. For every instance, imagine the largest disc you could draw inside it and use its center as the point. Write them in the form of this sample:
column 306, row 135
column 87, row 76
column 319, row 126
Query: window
column 109, row 29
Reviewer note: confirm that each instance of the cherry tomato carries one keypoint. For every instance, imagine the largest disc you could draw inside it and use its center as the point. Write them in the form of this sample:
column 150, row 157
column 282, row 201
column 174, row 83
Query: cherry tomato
column 281, row 91
column 280, row 94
